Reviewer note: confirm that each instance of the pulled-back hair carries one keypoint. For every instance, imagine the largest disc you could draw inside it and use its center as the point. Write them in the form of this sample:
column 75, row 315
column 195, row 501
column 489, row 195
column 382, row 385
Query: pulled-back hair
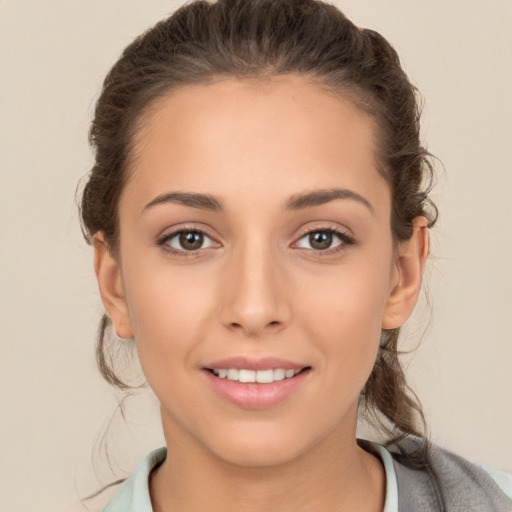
column 204, row 41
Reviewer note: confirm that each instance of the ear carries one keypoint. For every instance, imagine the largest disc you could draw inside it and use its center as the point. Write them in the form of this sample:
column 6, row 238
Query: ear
column 410, row 264
column 108, row 274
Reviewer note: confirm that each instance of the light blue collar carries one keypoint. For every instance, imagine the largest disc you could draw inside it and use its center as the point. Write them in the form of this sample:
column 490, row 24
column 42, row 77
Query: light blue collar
column 134, row 493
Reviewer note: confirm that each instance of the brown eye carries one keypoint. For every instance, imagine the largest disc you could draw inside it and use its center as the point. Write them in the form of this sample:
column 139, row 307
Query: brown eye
column 186, row 241
column 324, row 239
column 320, row 240
column 191, row 240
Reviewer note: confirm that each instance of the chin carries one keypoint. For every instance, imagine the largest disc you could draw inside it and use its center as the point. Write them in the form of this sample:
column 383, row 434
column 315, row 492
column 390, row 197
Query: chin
column 257, row 456
column 260, row 448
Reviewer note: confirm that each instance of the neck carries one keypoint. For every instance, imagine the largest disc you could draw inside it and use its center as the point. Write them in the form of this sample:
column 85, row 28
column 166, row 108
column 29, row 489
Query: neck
column 335, row 475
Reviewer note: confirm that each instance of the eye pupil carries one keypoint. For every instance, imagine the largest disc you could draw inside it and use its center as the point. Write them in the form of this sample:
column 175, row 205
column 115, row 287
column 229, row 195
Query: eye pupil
column 320, row 239
column 191, row 240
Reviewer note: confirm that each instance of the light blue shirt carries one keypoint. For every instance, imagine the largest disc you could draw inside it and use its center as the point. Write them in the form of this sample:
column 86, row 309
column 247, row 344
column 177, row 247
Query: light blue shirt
column 133, row 496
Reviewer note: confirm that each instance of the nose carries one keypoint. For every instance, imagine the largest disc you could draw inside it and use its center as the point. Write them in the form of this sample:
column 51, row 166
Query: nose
column 254, row 293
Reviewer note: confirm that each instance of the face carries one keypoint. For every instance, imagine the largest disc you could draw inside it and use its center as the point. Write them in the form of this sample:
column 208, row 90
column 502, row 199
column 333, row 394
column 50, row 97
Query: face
column 255, row 241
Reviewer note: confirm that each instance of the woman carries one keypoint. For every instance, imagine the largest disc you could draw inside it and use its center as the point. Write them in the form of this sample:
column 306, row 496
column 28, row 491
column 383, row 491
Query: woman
column 259, row 212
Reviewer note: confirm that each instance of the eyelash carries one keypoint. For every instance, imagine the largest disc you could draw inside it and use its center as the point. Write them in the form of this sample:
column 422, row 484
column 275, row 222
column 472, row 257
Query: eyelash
column 346, row 241
column 162, row 242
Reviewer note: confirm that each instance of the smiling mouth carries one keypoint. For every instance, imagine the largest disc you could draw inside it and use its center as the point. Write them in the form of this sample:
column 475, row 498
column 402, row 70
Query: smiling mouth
column 256, row 376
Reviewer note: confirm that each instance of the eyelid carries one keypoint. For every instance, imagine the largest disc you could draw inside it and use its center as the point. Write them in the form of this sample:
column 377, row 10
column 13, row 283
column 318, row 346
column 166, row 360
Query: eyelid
column 324, row 226
column 343, row 234
column 346, row 238
column 162, row 240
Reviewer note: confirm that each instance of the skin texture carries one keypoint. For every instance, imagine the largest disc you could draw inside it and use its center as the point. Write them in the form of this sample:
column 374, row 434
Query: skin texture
column 257, row 288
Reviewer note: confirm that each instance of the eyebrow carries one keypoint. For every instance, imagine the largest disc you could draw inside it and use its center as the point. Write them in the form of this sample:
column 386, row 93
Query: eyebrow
column 319, row 197
column 191, row 199
column 296, row 202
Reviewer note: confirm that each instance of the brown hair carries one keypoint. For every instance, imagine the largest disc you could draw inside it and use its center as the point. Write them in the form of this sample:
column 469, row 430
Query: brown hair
column 202, row 41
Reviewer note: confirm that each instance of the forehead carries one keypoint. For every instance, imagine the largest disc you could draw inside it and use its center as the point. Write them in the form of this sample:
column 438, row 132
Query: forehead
column 270, row 136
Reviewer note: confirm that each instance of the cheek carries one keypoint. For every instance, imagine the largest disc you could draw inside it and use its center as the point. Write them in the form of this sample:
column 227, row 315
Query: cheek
column 344, row 315
column 170, row 310
column 347, row 300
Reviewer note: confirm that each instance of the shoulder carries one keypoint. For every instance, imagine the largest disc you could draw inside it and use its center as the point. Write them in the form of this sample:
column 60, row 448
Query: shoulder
column 502, row 478
column 440, row 479
column 131, row 496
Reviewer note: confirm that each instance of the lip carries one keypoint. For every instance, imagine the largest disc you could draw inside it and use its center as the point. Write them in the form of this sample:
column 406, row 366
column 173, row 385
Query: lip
column 253, row 395
column 264, row 363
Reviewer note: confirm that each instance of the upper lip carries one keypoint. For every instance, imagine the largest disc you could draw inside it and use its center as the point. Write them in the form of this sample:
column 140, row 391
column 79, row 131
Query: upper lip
column 246, row 363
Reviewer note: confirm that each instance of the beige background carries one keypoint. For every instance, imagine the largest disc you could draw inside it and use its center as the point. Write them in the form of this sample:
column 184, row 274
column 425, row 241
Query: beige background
column 53, row 57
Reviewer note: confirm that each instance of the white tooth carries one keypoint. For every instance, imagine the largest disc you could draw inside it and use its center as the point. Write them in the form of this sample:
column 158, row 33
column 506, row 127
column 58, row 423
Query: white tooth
column 232, row 374
column 265, row 376
column 296, row 371
column 246, row 375
column 215, row 372
column 289, row 373
column 222, row 373
column 279, row 374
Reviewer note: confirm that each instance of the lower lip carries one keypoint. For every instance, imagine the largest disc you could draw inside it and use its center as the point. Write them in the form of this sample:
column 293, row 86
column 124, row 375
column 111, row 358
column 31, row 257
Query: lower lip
column 253, row 395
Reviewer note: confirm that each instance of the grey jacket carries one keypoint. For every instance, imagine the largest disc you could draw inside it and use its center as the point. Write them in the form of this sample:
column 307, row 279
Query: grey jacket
column 450, row 484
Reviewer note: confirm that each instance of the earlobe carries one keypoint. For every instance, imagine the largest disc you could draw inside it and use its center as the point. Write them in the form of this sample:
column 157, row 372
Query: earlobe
column 108, row 274
column 410, row 265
